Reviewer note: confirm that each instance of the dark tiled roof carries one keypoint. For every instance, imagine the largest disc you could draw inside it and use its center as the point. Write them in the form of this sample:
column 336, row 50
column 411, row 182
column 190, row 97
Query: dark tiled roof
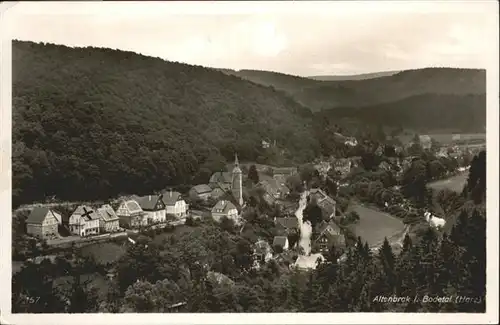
column 321, row 196
column 331, row 231
column 149, row 202
column 223, row 205
column 328, row 227
column 37, row 215
column 170, row 197
column 202, row 189
column 274, row 187
column 221, row 177
column 288, row 222
column 84, row 210
column 280, row 241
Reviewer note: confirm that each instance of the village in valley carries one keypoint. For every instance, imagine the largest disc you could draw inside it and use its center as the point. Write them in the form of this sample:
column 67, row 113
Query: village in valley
column 229, row 194
column 181, row 163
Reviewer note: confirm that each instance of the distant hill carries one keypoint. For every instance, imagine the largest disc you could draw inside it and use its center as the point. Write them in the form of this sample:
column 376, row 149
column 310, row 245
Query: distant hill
column 92, row 122
column 321, row 94
column 425, row 113
column 355, row 77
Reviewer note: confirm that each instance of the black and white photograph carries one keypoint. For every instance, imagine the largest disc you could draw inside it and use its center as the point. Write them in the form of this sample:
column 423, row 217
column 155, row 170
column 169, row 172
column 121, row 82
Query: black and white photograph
column 281, row 160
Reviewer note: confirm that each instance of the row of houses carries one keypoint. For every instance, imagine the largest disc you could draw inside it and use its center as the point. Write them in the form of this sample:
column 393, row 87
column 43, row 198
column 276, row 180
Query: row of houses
column 85, row 221
column 132, row 213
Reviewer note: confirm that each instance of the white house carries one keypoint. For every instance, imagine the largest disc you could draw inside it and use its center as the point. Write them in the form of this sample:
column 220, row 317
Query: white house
column 175, row 204
column 224, row 208
column 131, row 215
column 84, row 221
column 153, row 207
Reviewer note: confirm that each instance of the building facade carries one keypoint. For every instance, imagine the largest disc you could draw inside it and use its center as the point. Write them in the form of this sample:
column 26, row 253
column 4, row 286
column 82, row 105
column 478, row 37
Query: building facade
column 175, row 204
column 84, row 222
column 153, row 207
column 224, row 208
column 43, row 222
column 109, row 221
column 131, row 215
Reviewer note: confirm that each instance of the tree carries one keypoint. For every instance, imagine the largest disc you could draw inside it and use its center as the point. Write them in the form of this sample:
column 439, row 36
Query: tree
column 253, row 175
column 313, row 214
column 143, row 296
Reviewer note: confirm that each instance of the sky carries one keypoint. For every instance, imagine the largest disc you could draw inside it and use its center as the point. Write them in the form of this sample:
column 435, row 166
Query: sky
column 306, row 39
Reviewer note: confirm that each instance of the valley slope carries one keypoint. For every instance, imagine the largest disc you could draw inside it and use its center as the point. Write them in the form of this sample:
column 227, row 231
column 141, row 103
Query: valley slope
column 92, row 122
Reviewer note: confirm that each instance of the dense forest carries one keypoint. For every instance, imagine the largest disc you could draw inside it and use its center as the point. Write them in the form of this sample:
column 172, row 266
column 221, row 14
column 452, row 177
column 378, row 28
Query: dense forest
column 361, row 76
column 320, row 94
column 94, row 123
column 426, row 112
column 90, row 122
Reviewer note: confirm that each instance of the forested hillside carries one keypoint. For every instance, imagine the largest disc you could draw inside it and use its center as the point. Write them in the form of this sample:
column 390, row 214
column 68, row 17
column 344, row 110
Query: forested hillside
column 355, row 76
column 320, row 94
column 91, row 122
column 427, row 112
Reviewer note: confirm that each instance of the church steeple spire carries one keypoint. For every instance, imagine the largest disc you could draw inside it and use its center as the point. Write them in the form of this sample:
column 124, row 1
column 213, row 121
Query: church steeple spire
column 237, row 183
column 236, row 168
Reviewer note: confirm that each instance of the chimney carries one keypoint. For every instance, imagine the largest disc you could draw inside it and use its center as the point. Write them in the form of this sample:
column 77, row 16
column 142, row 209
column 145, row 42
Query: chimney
column 150, row 198
column 170, row 192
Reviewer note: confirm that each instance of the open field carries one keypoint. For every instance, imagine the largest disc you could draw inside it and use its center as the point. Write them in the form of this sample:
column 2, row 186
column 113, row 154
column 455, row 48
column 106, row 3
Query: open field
column 105, row 252
column 455, row 183
column 179, row 230
column 374, row 225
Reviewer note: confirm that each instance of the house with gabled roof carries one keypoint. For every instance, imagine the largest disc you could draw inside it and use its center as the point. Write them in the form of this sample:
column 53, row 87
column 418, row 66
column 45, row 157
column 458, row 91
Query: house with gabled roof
column 131, row 214
column 84, row 221
column 200, row 192
column 109, row 221
column 43, row 222
column 281, row 241
column 325, row 202
column 221, row 178
column 287, row 225
column 224, row 208
column 153, row 207
column 174, row 204
column 273, row 190
column 328, row 234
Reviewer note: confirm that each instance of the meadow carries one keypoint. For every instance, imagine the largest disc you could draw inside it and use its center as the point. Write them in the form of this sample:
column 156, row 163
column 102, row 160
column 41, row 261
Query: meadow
column 374, row 225
column 455, row 183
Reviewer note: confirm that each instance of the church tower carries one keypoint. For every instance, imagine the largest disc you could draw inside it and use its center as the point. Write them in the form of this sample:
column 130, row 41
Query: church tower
column 237, row 183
